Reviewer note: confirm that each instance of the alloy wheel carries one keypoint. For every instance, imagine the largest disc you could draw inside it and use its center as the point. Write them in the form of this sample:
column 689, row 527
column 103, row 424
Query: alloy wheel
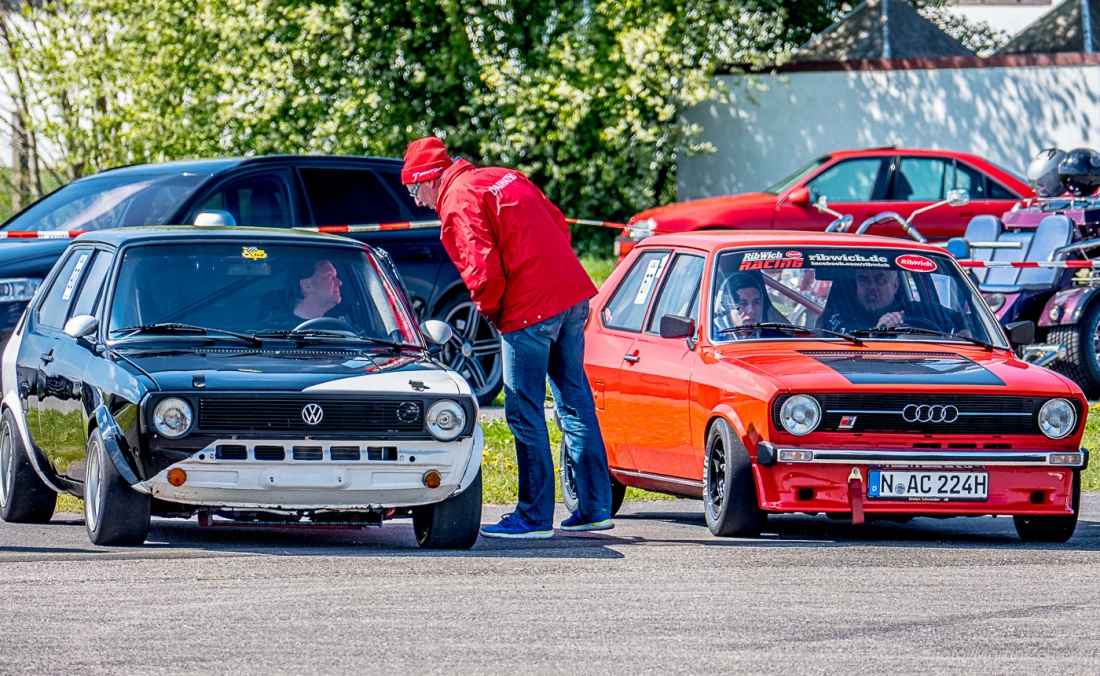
column 7, row 459
column 474, row 349
column 716, row 477
column 93, row 486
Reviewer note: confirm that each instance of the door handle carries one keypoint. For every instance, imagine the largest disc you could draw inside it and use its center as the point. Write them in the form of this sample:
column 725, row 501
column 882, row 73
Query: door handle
column 48, row 357
column 632, row 358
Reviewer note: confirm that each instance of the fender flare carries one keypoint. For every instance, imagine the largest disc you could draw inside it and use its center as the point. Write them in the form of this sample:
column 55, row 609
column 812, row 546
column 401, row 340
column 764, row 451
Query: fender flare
column 473, row 463
column 112, row 435
column 1078, row 299
column 11, row 403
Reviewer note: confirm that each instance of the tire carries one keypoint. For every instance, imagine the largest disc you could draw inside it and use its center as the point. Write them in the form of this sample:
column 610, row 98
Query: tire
column 569, row 486
column 1051, row 528
column 24, row 498
column 451, row 524
column 475, row 349
column 729, row 490
column 114, row 513
column 1082, row 340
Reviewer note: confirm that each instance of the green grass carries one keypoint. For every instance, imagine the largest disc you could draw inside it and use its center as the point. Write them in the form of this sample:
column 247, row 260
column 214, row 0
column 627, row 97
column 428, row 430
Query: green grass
column 598, row 267
column 1090, row 480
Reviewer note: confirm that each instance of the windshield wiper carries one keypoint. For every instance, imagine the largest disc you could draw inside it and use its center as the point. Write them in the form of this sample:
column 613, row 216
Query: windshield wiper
column 320, row 334
column 915, row 331
column 166, row 328
column 793, row 328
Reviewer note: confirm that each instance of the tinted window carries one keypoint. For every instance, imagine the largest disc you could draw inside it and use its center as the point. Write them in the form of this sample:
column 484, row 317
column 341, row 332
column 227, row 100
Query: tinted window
column 393, row 179
column 680, row 294
column 109, row 202
column 849, row 181
column 626, row 309
column 92, row 284
column 348, row 197
column 261, row 200
column 52, row 310
column 922, row 179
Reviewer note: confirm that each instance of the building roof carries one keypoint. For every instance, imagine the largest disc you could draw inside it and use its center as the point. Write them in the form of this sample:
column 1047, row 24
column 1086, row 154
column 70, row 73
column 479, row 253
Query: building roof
column 881, row 29
column 1073, row 26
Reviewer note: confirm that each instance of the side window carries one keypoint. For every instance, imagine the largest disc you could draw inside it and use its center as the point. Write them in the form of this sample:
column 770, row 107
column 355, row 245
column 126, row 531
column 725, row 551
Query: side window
column 393, row 180
column 850, row 181
column 92, row 284
column 680, row 293
column 922, row 179
column 999, row 192
column 967, row 179
column 627, row 307
column 51, row 312
column 261, row 200
column 348, row 197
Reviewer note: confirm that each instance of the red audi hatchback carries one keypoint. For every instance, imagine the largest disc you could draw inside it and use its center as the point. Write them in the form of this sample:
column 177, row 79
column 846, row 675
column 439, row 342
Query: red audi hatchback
column 857, row 182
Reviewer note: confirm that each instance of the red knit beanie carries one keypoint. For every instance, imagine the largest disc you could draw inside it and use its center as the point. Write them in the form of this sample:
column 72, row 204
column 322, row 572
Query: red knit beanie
column 425, row 159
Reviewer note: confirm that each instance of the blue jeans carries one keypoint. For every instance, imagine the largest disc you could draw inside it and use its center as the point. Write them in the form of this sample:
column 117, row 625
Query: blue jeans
column 554, row 347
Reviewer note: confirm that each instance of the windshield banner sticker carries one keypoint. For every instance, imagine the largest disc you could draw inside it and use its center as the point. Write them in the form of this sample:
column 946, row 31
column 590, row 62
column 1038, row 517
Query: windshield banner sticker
column 849, row 260
column 252, row 253
column 771, row 260
column 915, row 263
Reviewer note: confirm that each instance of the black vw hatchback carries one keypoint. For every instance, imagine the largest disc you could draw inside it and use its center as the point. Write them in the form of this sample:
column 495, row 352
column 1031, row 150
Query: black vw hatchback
column 276, row 191
column 240, row 373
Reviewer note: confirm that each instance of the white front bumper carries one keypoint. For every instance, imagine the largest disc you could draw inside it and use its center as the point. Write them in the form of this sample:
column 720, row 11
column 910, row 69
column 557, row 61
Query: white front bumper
column 321, row 484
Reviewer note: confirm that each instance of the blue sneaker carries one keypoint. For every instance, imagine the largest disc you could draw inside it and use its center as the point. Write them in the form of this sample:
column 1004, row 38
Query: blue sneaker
column 577, row 522
column 516, row 527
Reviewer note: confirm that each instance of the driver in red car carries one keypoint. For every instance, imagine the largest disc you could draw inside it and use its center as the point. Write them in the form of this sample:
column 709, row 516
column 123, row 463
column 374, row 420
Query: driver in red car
column 876, row 303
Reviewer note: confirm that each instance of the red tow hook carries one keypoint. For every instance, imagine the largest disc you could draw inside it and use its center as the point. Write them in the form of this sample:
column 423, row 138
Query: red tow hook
column 855, row 495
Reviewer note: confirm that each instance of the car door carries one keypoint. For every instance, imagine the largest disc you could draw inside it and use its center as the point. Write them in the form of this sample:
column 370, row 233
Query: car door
column 855, row 186
column 656, row 380
column 359, row 196
column 59, row 419
column 609, row 345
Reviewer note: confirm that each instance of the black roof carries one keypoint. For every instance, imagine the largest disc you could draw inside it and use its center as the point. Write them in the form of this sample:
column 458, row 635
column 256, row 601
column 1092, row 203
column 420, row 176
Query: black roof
column 1073, row 26
column 208, row 167
column 880, row 29
column 245, row 235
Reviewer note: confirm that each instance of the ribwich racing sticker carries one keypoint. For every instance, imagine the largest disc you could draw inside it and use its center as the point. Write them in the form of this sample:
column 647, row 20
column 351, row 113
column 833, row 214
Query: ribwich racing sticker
column 771, row 260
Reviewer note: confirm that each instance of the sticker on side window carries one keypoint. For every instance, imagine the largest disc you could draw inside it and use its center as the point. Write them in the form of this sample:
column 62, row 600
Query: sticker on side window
column 73, row 277
column 252, row 253
column 652, row 271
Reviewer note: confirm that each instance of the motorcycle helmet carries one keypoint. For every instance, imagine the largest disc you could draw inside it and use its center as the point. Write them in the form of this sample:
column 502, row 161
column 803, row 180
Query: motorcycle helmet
column 1042, row 173
column 1079, row 171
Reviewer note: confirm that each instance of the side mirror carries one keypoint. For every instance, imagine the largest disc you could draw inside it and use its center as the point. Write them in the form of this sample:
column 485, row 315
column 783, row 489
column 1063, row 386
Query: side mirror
column 800, row 195
column 675, row 326
column 215, row 217
column 436, row 331
column 1021, row 333
column 958, row 247
column 958, row 198
column 81, row 326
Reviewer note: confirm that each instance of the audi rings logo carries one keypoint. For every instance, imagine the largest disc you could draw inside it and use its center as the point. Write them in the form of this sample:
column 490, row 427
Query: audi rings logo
column 928, row 413
column 312, row 414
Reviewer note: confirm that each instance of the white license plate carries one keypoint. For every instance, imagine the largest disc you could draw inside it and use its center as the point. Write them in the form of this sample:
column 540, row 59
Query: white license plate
column 911, row 486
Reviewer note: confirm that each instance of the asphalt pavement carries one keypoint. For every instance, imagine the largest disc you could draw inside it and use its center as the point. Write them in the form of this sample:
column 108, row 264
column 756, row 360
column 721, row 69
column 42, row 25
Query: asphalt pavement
column 658, row 593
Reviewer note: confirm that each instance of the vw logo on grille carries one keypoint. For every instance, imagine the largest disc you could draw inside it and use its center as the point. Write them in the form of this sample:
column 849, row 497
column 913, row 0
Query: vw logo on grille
column 926, row 413
column 312, row 414
column 408, row 411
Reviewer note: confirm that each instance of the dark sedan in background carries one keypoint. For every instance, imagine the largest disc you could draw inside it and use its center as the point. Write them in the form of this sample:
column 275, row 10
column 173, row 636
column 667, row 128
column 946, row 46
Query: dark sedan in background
column 279, row 191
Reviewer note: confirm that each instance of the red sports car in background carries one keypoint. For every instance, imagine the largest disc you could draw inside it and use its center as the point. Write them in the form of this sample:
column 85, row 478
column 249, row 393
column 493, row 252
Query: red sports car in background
column 857, row 182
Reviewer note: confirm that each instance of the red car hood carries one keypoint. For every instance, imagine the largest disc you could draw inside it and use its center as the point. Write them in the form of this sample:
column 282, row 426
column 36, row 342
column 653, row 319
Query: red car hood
column 820, row 368
column 752, row 209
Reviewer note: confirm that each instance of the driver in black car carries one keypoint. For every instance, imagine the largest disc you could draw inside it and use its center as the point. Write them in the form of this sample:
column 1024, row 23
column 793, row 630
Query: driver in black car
column 314, row 288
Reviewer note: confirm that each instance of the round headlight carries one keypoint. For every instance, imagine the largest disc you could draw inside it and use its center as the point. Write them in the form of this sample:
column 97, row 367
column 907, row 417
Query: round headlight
column 800, row 414
column 172, row 417
column 446, row 419
column 1057, row 418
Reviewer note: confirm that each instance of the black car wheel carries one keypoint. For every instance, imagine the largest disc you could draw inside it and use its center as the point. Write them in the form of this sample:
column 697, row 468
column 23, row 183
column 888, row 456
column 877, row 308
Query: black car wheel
column 474, row 350
column 1082, row 340
column 451, row 524
column 729, row 491
column 114, row 513
column 569, row 485
column 24, row 498
column 1051, row 528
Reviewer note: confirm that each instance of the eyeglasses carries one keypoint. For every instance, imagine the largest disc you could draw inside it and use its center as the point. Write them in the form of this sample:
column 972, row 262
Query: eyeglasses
column 415, row 189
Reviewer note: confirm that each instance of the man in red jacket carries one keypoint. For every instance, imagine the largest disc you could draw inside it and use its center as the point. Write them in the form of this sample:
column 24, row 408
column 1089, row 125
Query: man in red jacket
column 511, row 246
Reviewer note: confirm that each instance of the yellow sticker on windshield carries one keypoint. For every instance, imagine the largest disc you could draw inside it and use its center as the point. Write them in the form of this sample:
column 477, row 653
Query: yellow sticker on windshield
column 253, row 253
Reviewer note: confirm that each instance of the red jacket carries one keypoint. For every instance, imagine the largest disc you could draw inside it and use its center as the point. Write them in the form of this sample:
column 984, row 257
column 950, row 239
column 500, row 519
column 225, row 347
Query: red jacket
column 511, row 246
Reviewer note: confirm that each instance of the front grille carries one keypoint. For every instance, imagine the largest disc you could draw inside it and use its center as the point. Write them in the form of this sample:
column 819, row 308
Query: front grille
column 269, row 453
column 308, row 453
column 883, row 413
column 344, row 453
column 231, row 452
column 285, row 414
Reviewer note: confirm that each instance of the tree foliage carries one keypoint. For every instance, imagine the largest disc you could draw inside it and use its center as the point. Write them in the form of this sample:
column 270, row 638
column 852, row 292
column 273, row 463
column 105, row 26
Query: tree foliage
column 583, row 95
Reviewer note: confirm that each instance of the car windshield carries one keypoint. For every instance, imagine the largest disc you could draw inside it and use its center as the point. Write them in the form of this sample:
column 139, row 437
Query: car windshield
column 797, row 176
column 275, row 290
column 862, row 292
column 108, row 202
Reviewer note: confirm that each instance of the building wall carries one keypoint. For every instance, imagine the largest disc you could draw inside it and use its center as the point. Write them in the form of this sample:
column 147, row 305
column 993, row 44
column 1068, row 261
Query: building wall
column 1003, row 114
